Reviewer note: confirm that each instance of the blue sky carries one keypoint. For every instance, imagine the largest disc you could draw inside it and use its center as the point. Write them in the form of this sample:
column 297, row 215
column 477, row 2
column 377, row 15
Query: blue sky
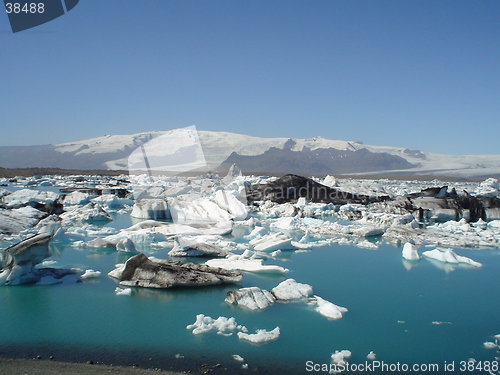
column 416, row 74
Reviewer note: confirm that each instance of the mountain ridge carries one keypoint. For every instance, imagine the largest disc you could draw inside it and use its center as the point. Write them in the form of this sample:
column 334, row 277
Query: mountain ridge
column 111, row 152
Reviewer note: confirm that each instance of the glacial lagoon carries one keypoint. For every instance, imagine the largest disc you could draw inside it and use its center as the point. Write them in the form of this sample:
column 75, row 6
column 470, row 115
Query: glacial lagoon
column 424, row 312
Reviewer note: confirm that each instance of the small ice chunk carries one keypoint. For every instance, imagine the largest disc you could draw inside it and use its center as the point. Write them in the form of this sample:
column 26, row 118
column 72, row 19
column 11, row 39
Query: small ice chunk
column 89, row 274
column 327, row 308
column 290, row 289
column 221, row 324
column 123, row 291
column 490, row 345
column 238, row 358
column 261, row 335
column 338, row 356
column 371, row 356
column 410, row 252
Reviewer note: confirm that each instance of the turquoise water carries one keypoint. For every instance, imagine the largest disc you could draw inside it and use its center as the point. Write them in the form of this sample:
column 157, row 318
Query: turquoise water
column 391, row 311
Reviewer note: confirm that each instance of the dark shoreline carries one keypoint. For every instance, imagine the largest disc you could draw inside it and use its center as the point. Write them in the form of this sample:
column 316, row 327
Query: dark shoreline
column 41, row 358
column 22, row 366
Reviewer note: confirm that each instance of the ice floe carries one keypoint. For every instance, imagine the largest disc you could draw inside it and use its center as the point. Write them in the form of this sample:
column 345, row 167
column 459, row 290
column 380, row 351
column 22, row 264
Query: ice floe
column 339, row 356
column 449, row 256
column 242, row 263
column 327, row 308
column 123, row 291
column 221, row 325
column 272, row 242
column 90, row 274
column 261, row 335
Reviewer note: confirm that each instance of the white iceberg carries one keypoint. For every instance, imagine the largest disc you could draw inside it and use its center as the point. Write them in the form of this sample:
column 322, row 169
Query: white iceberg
column 371, row 356
column 123, row 291
column 126, row 245
column 231, row 204
column 151, row 209
column 490, row 345
column 253, row 298
column 338, row 356
column 410, row 252
column 221, row 325
column 272, row 242
column 261, row 335
column 327, row 308
column 90, row 274
column 236, row 262
column 449, row 256
column 76, row 198
column 290, row 289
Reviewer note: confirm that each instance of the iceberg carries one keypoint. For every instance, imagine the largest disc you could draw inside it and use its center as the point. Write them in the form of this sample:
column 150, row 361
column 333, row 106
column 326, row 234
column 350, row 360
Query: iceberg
column 410, row 252
column 231, row 204
column 490, row 345
column 261, row 335
column 290, row 289
column 338, row 356
column 184, row 247
column 76, row 198
column 126, row 245
column 253, row 298
column 272, row 242
column 20, row 259
column 449, row 256
column 88, row 213
column 237, row 262
column 123, row 291
column 19, row 219
column 371, row 356
column 221, row 325
column 151, row 209
column 142, row 271
column 327, row 309
column 90, row 274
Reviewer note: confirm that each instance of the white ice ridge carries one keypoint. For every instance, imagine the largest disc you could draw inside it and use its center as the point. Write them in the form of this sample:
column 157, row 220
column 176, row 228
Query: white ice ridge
column 326, row 308
column 410, row 252
column 261, row 335
column 221, row 325
column 449, row 256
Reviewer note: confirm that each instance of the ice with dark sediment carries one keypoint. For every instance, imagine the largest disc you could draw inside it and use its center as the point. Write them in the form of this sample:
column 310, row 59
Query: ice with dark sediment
column 151, row 272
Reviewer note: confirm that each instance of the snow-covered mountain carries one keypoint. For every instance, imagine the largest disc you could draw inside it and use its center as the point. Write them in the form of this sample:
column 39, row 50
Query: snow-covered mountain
column 112, row 152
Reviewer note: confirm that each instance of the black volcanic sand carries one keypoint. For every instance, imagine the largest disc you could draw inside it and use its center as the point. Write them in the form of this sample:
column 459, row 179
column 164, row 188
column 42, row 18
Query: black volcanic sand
column 21, row 366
